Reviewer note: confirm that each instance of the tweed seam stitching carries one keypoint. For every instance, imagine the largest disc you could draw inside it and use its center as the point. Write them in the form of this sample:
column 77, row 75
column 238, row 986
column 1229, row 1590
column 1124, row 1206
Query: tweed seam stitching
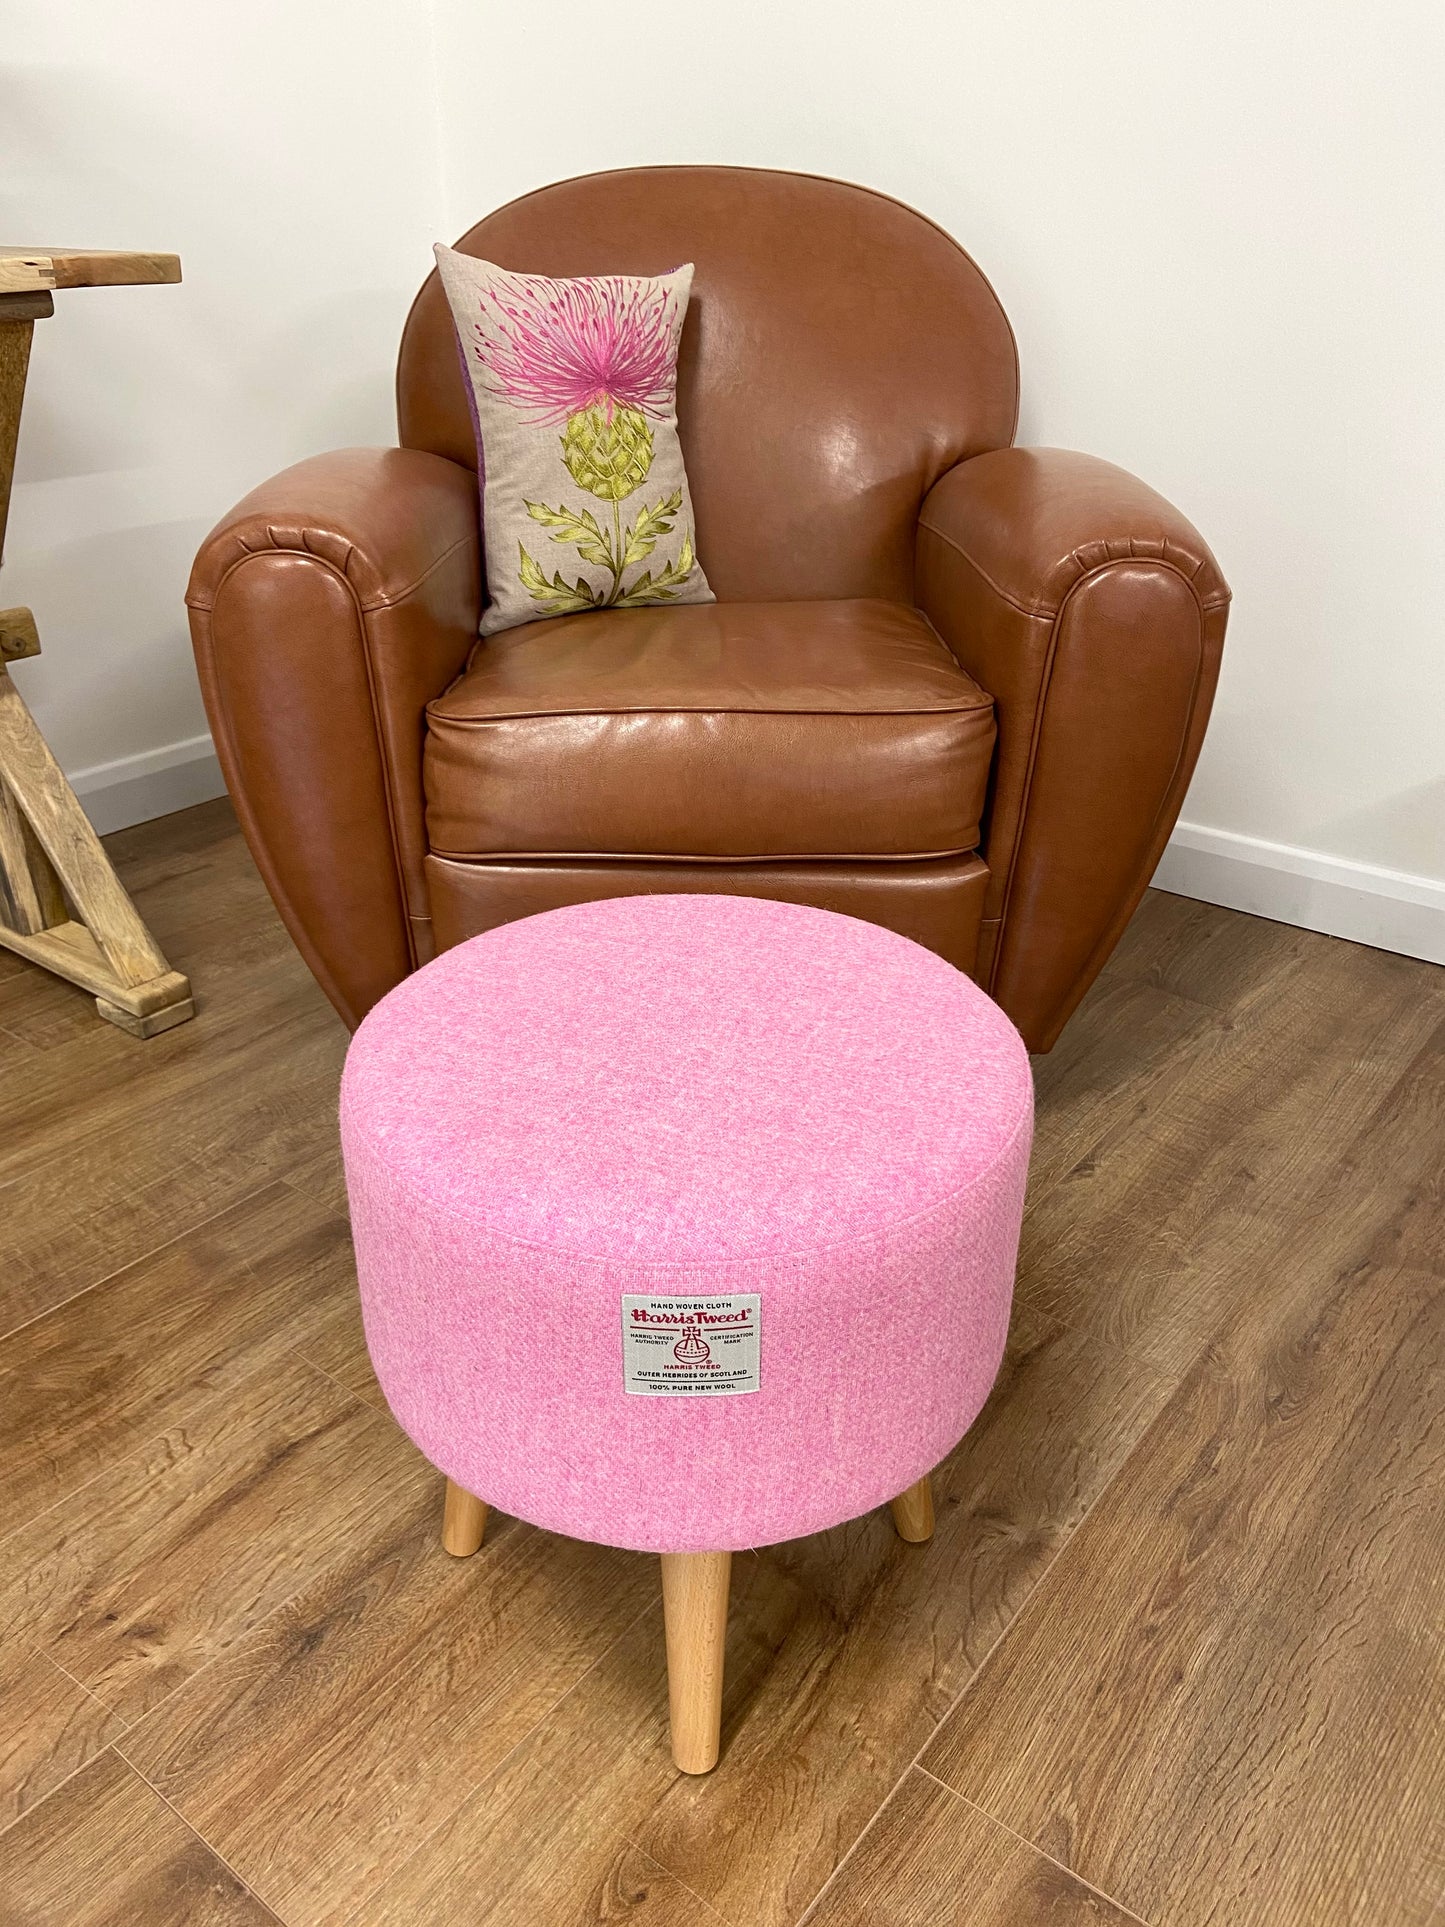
column 714, row 1265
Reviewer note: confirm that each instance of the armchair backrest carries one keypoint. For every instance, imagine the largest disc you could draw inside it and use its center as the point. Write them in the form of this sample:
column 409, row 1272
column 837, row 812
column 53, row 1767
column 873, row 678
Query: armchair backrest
column 840, row 353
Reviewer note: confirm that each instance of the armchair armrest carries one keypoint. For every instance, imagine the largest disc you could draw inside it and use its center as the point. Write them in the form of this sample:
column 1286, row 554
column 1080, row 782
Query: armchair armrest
column 1094, row 614
column 327, row 609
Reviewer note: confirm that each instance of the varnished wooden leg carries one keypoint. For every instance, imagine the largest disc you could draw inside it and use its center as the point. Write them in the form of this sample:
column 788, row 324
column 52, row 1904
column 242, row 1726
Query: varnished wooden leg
column 464, row 1520
column 51, row 859
column 913, row 1512
column 695, row 1611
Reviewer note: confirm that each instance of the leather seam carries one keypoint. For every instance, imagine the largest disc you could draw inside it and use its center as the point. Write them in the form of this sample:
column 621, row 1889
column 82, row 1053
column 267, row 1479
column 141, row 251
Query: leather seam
column 1110, row 935
column 388, row 777
column 366, row 607
column 479, row 859
column 388, row 774
column 1044, row 610
column 315, row 962
column 1040, row 716
column 830, row 715
column 971, row 858
column 1045, row 680
column 830, row 180
column 391, row 601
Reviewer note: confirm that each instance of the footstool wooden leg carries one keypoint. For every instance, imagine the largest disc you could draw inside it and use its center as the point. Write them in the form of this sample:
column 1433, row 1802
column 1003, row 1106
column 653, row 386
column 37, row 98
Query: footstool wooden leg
column 695, row 1611
column 464, row 1520
column 913, row 1512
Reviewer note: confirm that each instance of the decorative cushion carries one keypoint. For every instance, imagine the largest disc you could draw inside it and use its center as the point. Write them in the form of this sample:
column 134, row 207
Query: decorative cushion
column 781, row 729
column 686, row 1223
column 573, row 386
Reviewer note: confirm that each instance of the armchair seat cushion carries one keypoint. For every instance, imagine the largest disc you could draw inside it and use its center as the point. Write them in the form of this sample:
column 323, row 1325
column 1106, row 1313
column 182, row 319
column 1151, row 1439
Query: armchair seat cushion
column 722, row 731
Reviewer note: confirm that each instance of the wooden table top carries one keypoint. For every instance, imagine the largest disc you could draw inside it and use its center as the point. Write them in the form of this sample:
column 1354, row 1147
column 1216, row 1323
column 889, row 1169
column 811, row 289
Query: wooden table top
column 34, row 270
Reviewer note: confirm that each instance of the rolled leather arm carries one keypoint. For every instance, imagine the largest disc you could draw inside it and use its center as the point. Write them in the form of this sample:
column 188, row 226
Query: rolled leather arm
column 1094, row 614
column 327, row 609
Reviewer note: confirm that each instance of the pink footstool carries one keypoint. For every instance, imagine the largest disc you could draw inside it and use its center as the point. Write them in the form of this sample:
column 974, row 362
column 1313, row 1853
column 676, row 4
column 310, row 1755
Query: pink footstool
column 686, row 1223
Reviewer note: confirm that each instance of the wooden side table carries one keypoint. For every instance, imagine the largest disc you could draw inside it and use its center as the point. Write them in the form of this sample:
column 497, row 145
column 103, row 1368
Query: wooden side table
column 61, row 903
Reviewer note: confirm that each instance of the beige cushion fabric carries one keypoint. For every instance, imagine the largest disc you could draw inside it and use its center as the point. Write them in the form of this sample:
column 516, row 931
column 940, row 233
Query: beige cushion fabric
column 585, row 502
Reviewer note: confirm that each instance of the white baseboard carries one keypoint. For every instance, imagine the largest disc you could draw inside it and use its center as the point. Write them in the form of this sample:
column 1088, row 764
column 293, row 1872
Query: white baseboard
column 133, row 789
column 1387, row 909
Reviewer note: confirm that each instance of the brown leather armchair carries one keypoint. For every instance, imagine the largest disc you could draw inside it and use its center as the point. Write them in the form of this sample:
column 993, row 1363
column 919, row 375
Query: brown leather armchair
column 949, row 685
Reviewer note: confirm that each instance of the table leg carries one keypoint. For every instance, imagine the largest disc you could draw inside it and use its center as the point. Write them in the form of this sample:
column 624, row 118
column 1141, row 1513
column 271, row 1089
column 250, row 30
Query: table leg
column 50, row 860
column 50, row 857
column 18, row 313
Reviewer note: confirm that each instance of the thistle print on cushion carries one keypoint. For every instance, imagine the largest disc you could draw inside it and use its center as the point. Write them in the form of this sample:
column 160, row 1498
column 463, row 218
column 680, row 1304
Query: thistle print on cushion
column 585, row 502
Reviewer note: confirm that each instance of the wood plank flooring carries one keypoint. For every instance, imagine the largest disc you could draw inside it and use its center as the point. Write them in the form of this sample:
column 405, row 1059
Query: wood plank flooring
column 1176, row 1653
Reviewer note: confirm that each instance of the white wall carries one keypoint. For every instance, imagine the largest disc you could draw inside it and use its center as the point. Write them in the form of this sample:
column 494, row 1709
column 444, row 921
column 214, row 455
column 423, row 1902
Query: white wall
column 287, row 151
column 1215, row 228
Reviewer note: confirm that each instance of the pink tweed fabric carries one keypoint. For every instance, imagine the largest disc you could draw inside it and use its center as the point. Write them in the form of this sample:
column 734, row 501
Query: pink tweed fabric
column 687, row 1097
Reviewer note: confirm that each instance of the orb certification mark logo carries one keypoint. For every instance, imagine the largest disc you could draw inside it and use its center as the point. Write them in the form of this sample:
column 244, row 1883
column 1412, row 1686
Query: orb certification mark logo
column 691, row 1349
column 696, row 1347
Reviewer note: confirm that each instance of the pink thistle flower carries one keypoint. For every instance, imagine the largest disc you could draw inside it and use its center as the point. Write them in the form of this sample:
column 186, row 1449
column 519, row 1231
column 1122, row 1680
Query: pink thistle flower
column 558, row 347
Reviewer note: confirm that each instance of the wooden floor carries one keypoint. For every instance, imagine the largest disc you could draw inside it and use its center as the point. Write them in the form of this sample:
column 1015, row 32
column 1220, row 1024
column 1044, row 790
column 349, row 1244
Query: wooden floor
column 1176, row 1654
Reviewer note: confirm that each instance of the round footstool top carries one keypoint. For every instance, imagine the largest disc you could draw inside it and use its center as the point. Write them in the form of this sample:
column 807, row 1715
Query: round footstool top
column 686, row 1222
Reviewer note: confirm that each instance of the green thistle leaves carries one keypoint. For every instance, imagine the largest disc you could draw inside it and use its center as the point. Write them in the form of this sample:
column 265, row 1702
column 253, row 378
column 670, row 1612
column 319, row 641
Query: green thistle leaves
column 566, row 526
column 615, row 550
column 666, row 586
column 642, row 537
column 557, row 597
